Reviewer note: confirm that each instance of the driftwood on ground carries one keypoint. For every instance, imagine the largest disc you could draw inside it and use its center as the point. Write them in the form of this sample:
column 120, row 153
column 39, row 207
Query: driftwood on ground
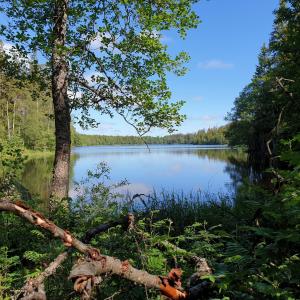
column 86, row 273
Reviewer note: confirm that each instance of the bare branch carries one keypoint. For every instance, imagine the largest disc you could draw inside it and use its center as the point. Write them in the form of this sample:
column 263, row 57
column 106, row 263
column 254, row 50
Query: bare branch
column 280, row 82
column 125, row 222
column 33, row 289
column 141, row 134
column 88, row 271
column 275, row 130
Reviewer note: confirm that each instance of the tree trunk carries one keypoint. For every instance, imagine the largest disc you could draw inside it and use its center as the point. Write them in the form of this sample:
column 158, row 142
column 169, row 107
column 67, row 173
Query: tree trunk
column 14, row 119
column 60, row 181
column 8, row 124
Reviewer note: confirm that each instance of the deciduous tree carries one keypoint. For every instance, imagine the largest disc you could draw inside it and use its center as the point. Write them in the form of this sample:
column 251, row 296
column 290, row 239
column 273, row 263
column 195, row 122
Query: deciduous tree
column 105, row 55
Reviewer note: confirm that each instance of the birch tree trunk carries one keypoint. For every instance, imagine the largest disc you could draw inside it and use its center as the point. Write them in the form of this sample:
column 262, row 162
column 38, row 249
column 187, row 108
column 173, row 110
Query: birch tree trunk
column 8, row 123
column 14, row 119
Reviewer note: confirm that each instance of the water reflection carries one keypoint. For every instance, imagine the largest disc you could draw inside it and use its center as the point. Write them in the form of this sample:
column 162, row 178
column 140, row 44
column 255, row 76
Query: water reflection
column 173, row 168
column 36, row 176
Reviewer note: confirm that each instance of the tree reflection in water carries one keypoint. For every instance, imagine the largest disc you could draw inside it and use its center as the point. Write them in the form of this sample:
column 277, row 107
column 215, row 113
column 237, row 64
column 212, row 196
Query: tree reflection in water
column 143, row 169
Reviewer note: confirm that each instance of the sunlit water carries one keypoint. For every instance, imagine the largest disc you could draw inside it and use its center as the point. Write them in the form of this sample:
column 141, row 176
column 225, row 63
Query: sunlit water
column 179, row 168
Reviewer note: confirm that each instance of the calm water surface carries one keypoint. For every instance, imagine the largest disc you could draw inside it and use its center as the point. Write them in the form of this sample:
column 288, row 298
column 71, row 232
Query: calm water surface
column 181, row 168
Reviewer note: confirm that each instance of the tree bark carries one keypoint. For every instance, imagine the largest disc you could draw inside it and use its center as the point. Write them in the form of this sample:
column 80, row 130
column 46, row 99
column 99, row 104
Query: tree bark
column 60, row 181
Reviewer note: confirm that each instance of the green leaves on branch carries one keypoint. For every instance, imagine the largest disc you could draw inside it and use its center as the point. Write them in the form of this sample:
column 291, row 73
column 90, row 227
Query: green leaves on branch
column 115, row 54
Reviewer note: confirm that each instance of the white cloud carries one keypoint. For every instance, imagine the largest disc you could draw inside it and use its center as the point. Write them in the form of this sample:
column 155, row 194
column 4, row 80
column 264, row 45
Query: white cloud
column 205, row 118
column 208, row 118
column 134, row 188
column 7, row 47
column 166, row 39
column 215, row 64
column 162, row 36
column 117, row 131
column 103, row 128
column 97, row 42
column 198, row 98
column 71, row 94
column 93, row 77
column 14, row 54
column 107, row 126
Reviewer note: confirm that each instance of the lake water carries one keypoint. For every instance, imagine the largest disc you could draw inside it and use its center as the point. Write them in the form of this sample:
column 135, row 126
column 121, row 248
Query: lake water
column 180, row 168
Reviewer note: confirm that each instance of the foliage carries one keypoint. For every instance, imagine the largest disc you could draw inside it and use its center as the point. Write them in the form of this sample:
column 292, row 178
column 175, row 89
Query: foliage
column 25, row 111
column 265, row 118
column 267, row 109
column 117, row 63
column 251, row 240
column 211, row 136
column 27, row 114
column 11, row 158
column 11, row 164
column 7, row 275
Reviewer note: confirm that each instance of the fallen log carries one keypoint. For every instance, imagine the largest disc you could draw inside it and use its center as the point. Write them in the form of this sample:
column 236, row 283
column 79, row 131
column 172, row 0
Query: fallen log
column 96, row 264
column 33, row 288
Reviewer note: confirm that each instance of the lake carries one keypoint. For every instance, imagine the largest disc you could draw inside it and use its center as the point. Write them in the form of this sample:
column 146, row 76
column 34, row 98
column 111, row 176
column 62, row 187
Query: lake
column 179, row 168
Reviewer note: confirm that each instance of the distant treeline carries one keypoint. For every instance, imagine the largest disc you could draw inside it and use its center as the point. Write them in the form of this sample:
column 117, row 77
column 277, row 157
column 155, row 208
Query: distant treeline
column 211, row 136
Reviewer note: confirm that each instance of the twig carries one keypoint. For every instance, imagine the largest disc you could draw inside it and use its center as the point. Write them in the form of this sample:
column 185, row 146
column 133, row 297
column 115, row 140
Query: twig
column 126, row 222
column 32, row 288
column 275, row 129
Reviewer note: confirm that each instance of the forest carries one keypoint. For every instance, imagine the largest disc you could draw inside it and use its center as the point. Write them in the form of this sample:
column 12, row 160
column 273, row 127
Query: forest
column 211, row 136
column 28, row 117
column 157, row 246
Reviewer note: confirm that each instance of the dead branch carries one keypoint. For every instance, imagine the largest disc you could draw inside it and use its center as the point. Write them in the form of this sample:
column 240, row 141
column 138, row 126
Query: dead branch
column 280, row 80
column 202, row 266
column 126, row 222
column 33, row 288
column 275, row 130
column 36, row 295
column 96, row 264
column 21, row 209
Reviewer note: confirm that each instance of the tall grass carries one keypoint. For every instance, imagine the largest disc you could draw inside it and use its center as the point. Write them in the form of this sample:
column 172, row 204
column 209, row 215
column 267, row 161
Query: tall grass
column 186, row 209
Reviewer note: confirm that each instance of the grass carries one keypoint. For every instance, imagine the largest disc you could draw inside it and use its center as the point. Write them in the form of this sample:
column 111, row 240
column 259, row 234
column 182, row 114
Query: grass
column 186, row 209
column 29, row 154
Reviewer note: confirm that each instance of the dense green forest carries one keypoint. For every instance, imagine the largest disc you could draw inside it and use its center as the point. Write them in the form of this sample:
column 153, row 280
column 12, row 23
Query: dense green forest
column 211, row 136
column 240, row 246
column 265, row 116
column 26, row 112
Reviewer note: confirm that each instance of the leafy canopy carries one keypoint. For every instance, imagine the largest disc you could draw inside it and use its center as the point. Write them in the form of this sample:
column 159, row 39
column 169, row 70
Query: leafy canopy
column 117, row 62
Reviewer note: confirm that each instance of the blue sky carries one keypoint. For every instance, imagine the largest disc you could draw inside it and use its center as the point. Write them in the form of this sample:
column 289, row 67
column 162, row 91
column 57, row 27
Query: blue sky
column 223, row 50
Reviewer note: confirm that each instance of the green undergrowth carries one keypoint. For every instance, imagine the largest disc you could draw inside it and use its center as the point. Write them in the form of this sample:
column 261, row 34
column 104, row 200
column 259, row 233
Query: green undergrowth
column 36, row 154
column 251, row 239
